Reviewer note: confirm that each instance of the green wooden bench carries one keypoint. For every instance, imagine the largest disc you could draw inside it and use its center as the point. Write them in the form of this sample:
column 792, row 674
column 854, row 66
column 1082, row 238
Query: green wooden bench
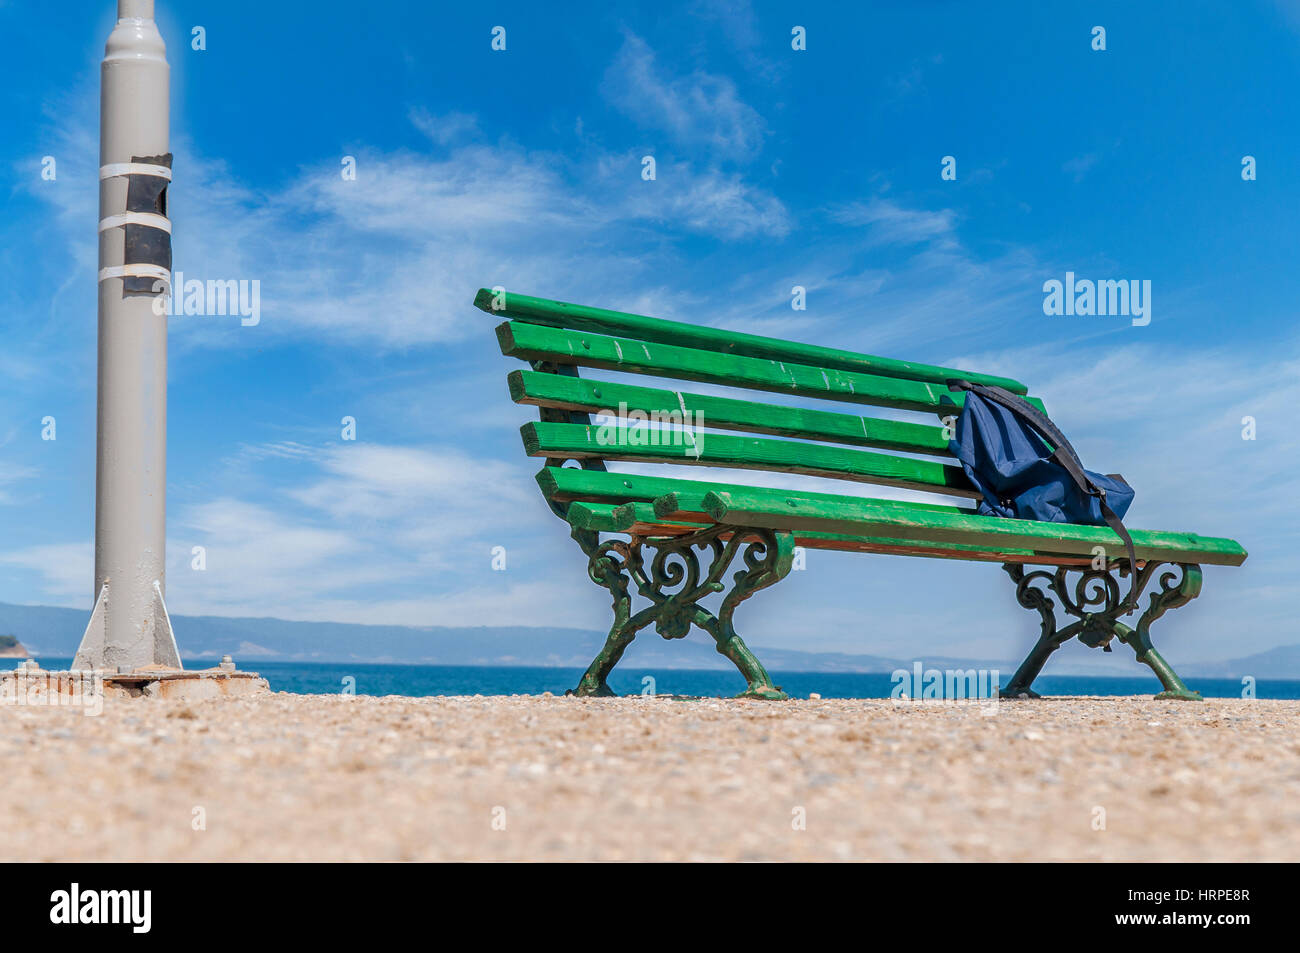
column 758, row 528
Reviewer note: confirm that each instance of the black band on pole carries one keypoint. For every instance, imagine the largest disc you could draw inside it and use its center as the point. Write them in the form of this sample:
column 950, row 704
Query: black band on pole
column 145, row 244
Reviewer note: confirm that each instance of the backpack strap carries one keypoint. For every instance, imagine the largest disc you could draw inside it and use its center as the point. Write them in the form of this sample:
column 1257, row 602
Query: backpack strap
column 1064, row 454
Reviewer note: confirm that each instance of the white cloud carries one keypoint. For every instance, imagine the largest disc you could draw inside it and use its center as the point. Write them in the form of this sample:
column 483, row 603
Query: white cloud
column 444, row 129
column 890, row 223
column 67, row 569
column 13, row 473
column 1079, row 166
column 358, row 532
column 428, row 500
column 392, row 258
column 711, row 202
column 1290, row 11
column 699, row 109
column 395, row 256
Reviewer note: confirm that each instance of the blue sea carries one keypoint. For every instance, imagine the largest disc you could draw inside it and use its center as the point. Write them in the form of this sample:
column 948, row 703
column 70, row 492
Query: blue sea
column 376, row 679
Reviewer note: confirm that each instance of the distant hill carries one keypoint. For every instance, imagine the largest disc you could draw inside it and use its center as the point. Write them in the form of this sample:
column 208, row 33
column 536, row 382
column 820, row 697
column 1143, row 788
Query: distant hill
column 10, row 647
column 1281, row 662
column 55, row 632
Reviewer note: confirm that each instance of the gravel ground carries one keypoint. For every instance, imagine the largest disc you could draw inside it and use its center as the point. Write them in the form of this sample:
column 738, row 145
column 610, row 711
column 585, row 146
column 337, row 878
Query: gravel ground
column 315, row 777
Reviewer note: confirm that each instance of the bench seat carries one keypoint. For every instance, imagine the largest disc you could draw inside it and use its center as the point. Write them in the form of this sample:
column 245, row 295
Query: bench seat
column 640, row 519
column 665, row 507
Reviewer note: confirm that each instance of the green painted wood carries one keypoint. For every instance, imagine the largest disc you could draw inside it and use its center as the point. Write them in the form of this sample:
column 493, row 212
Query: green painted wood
column 532, row 342
column 689, row 503
column 628, row 515
column 642, row 519
column 614, row 518
column 869, row 517
column 594, row 516
column 656, row 330
column 687, row 516
column 564, row 484
column 580, row 442
column 593, row 396
column 634, row 518
column 638, row 518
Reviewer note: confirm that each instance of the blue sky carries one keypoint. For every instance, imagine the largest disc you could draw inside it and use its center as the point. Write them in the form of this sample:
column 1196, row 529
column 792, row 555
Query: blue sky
column 775, row 168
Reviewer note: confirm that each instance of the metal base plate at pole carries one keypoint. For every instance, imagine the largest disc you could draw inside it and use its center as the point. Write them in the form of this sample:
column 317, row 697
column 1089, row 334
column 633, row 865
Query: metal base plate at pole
column 155, row 645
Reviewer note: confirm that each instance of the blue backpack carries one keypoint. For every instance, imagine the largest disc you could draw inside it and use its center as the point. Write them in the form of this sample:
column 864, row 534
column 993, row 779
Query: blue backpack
column 1025, row 468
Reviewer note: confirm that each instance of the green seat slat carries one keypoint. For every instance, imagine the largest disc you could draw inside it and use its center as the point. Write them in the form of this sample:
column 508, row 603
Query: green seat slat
column 608, row 518
column 615, row 518
column 533, row 342
column 597, row 516
column 849, row 515
column 642, row 519
column 584, row 441
column 578, row 394
column 559, row 314
column 646, row 515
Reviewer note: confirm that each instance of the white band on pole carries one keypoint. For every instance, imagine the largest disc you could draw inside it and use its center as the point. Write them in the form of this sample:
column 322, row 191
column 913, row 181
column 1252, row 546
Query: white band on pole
column 115, row 169
column 136, row 271
column 152, row 219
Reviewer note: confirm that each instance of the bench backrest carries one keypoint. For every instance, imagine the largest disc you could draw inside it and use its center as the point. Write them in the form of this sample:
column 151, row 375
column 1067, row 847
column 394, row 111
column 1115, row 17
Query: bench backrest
column 558, row 338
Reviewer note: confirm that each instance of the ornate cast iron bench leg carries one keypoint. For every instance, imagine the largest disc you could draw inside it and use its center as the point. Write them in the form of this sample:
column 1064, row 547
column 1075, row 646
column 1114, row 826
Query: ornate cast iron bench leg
column 767, row 562
column 1169, row 597
column 1099, row 591
column 607, row 571
column 615, row 565
column 1049, row 639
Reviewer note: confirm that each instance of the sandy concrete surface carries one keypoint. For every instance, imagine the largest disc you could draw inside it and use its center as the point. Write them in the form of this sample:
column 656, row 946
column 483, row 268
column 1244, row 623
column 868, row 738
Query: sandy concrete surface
column 294, row 777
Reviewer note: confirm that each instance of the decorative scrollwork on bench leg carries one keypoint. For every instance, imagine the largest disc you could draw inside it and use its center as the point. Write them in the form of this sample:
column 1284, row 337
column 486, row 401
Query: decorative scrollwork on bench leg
column 1048, row 641
column 1096, row 601
column 608, row 565
column 674, row 584
column 1169, row 596
column 767, row 561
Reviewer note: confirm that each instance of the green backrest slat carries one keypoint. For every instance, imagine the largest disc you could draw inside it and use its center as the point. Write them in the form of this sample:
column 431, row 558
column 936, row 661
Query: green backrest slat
column 532, row 342
column 569, row 483
column 559, row 314
column 850, row 515
column 593, row 396
column 688, row 503
column 589, row 441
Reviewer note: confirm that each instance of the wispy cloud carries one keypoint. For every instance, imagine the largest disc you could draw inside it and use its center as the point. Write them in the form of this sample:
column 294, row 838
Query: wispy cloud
column 446, row 128
column 66, row 570
column 1078, row 167
column 356, row 525
column 912, row 81
column 891, row 223
column 10, row 474
column 695, row 109
column 1290, row 10
column 393, row 256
